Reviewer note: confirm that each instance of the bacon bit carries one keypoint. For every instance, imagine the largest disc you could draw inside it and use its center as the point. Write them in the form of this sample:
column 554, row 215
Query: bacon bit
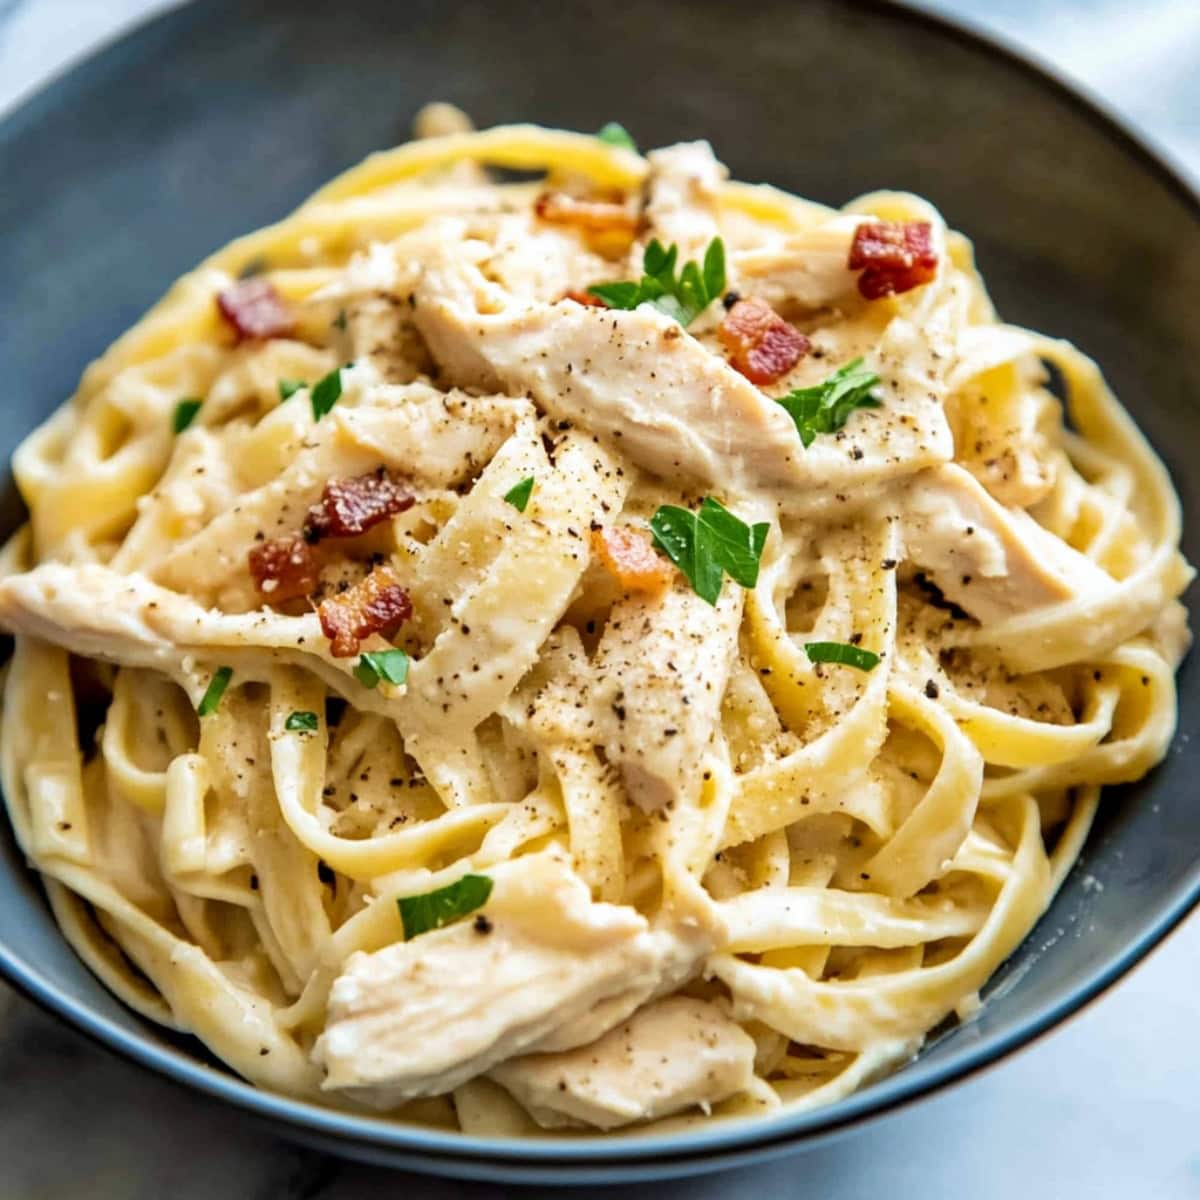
column 897, row 256
column 761, row 344
column 351, row 506
column 596, row 216
column 377, row 604
column 284, row 568
column 585, row 298
column 255, row 309
column 629, row 556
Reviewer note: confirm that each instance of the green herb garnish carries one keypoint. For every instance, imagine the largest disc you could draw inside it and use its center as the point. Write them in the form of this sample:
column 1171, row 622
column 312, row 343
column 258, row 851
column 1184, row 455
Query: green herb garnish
column 826, row 407
column 301, row 722
column 215, row 690
column 289, row 387
column 339, row 322
column 518, row 495
column 375, row 665
column 683, row 297
column 185, row 413
column 841, row 652
column 326, row 393
column 617, row 135
column 707, row 543
column 420, row 914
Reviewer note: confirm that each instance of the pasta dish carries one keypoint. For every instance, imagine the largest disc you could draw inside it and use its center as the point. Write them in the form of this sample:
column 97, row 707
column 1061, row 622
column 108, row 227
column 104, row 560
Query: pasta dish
column 548, row 637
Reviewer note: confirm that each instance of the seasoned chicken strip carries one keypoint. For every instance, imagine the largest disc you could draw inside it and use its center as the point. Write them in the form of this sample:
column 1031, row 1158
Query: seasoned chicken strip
column 990, row 560
column 667, row 1057
column 418, row 1018
column 659, row 395
column 660, row 674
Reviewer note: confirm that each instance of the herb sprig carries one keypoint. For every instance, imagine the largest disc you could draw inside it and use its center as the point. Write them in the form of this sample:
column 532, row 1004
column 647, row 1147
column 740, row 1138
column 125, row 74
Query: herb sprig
column 374, row 665
column 326, row 392
column 684, row 296
column 827, row 406
column 289, row 387
column 518, row 495
column 420, row 914
column 301, row 722
column 843, row 653
column 215, row 690
column 185, row 413
column 709, row 544
column 617, row 135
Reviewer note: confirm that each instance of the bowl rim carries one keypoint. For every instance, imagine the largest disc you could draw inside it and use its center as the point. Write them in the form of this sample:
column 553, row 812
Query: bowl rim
column 726, row 1143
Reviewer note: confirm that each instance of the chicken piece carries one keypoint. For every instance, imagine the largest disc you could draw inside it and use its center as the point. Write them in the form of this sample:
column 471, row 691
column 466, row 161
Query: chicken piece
column 635, row 377
column 667, row 401
column 420, row 1017
column 661, row 669
column 990, row 560
column 807, row 268
column 667, row 1057
column 682, row 189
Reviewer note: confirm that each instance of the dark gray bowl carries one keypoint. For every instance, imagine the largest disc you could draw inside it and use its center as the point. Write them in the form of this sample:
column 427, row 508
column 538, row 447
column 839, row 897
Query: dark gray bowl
column 222, row 116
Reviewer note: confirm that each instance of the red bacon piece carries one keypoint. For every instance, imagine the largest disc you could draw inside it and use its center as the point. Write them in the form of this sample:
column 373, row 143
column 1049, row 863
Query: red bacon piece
column 630, row 558
column 585, row 298
column 255, row 309
column 377, row 604
column 284, row 568
column 761, row 344
column 596, row 216
column 351, row 506
column 894, row 257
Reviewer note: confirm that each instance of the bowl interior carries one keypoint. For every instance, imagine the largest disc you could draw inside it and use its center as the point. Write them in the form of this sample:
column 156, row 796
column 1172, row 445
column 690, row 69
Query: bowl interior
column 220, row 117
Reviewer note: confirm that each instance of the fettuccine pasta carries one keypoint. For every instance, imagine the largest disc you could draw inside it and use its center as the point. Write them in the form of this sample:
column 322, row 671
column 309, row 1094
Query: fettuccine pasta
column 550, row 638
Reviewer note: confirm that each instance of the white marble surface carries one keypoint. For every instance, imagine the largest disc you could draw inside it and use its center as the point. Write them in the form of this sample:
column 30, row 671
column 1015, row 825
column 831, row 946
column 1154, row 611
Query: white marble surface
column 1107, row 1107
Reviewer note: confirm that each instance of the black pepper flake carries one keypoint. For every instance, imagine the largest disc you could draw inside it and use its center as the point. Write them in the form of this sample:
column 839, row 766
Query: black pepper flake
column 931, row 689
column 482, row 925
column 888, row 564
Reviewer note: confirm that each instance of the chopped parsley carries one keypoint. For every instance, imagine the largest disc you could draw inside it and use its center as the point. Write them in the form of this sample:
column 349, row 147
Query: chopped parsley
column 185, row 413
column 617, row 135
column 215, row 690
column 841, row 652
column 420, row 914
column 289, row 387
column 375, row 665
column 708, row 543
column 339, row 322
column 826, row 407
column 301, row 722
column 326, row 392
column 684, row 296
column 518, row 495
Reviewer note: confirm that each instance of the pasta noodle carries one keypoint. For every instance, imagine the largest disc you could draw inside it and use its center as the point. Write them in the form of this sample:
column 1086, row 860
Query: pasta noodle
column 750, row 793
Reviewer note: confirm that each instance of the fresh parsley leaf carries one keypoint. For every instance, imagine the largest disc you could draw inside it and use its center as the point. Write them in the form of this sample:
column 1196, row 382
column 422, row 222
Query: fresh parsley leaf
column 518, row 495
column 375, row 665
column 684, row 296
column 326, row 393
column 339, row 322
column 301, row 722
column 420, row 914
column 617, row 135
column 185, row 413
column 841, row 652
column 708, row 544
column 289, row 387
column 826, row 407
column 215, row 690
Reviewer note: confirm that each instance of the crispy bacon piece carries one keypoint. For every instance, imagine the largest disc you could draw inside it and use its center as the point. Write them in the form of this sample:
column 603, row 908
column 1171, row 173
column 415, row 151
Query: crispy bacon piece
column 284, row 568
column 377, row 604
column 596, row 216
column 351, row 506
column 761, row 344
column 629, row 556
column 894, row 257
column 585, row 298
column 255, row 309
